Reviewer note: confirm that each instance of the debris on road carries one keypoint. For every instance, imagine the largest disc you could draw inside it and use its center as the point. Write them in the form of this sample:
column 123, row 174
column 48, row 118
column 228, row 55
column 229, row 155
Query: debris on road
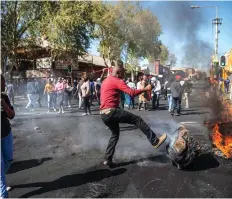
column 183, row 149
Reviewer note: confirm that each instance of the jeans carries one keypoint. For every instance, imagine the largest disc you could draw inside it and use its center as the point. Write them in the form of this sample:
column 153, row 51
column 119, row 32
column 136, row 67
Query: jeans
column 112, row 121
column 155, row 100
column 169, row 96
column 67, row 99
column 50, row 96
column 6, row 160
column 176, row 101
column 32, row 100
column 122, row 103
column 86, row 104
column 11, row 97
column 80, row 100
column 227, row 88
column 54, row 99
column 132, row 102
column 186, row 97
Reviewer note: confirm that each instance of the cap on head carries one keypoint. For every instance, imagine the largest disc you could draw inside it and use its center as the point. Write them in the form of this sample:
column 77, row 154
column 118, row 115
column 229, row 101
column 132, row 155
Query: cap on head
column 178, row 77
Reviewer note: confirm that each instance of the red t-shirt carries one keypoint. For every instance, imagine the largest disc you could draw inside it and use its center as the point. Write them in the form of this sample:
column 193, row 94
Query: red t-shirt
column 110, row 92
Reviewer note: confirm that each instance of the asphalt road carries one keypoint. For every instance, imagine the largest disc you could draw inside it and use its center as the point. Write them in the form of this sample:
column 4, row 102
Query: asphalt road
column 61, row 156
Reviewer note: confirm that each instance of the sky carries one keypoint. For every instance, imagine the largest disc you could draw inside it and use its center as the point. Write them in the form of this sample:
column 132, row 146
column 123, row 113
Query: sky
column 185, row 29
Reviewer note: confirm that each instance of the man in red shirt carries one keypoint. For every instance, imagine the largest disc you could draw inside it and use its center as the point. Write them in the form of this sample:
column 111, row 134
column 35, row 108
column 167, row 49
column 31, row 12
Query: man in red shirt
column 112, row 115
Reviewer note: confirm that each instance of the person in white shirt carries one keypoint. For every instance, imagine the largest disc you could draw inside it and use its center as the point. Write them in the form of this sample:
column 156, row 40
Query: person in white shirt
column 132, row 100
column 156, row 91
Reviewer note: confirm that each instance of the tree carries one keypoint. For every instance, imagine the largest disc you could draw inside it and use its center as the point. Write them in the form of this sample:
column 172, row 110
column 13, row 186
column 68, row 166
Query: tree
column 17, row 18
column 172, row 60
column 129, row 29
column 69, row 26
column 160, row 52
column 164, row 54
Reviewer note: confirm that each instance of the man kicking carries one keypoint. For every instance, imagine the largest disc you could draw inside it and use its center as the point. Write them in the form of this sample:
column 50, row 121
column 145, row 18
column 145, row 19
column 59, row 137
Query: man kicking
column 112, row 115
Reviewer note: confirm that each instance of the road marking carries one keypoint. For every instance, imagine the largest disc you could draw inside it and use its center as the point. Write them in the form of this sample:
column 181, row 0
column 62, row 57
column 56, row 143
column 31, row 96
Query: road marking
column 191, row 123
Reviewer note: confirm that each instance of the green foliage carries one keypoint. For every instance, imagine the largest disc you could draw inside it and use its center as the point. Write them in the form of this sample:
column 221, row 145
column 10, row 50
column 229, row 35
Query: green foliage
column 126, row 27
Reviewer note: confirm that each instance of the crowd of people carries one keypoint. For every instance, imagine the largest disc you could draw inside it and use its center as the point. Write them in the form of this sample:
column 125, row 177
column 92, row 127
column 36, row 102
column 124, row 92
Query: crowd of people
column 59, row 92
column 112, row 95
column 175, row 90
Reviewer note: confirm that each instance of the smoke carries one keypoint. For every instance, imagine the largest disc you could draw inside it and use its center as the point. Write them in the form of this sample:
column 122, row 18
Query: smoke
column 61, row 136
column 181, row 27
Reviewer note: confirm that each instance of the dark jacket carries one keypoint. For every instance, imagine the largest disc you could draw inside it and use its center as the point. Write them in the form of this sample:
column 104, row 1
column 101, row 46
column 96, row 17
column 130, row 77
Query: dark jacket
column 176, row 89
column 31, row 89
column 187, row 87
column 5, row 123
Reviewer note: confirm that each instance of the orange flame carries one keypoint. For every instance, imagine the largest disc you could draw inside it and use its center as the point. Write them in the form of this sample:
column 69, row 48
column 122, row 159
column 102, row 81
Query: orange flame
column 221, row 141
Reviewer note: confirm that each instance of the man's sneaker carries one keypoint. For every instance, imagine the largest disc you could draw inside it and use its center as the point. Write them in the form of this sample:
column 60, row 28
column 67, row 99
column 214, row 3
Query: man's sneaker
column 84, row 114
column 109, row 163
column 62, row 112
column 160, row 141
column 54, row 109
column 8, row 188
column 89, row 113
column 178, row 114
column 69, row 106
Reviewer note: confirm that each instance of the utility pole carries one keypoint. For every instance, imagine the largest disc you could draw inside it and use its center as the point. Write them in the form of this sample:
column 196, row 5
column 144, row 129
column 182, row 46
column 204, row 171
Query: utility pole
column 216, row 22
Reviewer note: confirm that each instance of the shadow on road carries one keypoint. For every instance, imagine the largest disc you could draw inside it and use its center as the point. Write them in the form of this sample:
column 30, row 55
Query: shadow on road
column 157, row 158
column 70, row 181
column 195, row 113
column 26, row 164
column 204, row 162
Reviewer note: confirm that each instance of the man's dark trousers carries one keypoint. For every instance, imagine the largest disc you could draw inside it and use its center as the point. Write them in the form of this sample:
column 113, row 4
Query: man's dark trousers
column 112, row 120
column 176, row 101
column 155, row 101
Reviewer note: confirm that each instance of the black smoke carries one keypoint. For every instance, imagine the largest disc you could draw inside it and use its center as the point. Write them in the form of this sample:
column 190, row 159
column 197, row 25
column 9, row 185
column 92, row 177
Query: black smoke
column 182, row 25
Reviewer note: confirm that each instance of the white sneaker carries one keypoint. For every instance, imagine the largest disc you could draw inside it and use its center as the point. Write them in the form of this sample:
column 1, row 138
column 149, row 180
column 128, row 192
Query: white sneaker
column 84, row 114
column 48, row 111
column 62, row 112
column 8, row 188
column 54, row 109
column 89, row 113
column 69, row 106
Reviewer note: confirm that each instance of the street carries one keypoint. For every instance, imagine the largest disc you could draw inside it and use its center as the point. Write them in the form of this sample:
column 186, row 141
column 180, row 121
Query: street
column 60, row 155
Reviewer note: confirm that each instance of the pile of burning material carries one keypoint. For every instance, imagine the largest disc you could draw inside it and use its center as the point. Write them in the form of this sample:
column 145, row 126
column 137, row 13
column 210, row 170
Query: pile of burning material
column 222, row 131
column 183, row 149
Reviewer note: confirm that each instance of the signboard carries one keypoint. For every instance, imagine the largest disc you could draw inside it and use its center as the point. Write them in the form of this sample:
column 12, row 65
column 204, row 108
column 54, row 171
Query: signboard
column 37, row 73
column 63, row 64
column 44, row 63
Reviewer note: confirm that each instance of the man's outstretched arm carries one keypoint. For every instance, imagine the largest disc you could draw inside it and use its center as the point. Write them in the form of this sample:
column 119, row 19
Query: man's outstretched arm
column 121, row 85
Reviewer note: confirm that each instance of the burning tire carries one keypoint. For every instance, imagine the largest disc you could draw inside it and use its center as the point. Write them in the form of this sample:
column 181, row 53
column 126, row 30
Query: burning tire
column 183, row 149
